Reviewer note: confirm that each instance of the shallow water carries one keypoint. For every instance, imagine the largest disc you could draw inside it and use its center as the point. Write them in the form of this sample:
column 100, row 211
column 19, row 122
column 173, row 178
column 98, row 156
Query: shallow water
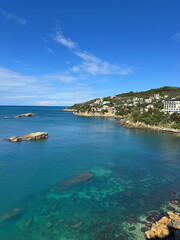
column 133, row 170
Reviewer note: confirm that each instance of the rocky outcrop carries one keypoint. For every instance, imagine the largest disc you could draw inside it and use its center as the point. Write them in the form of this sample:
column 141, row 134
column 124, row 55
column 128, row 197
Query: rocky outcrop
column 140, row 125
column 30, row 137
column 35, row 136
column 25, row 115
column 15, row 139
column 91, row 114
column 16, row 212
column 164, row 227
column 68, row 110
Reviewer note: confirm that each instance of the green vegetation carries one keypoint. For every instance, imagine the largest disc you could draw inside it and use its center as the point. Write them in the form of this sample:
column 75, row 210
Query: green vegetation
column 145, row 106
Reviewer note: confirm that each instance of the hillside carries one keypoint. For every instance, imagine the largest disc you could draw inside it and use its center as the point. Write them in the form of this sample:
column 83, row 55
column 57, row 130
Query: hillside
column 143, row 106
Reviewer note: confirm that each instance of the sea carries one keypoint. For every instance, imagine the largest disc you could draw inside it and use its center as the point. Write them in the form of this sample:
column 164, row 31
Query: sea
column 91, row 179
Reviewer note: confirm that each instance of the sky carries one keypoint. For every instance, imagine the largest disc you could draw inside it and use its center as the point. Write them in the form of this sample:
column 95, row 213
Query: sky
column 57, row 53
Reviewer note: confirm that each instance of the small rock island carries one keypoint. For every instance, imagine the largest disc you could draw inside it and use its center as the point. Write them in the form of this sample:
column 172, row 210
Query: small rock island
column 29, row 137
column 25, row 115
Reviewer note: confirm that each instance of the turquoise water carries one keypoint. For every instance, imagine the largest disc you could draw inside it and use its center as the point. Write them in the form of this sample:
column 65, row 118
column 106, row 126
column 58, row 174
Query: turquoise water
column 133, row 172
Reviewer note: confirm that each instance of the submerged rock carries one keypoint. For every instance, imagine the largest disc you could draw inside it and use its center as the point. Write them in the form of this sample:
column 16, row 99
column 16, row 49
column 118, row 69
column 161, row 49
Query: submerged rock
column 48, row 224
column 175, row 201
column 77, row 224
column 28, row 223
column 16, row 212
column 78, row 179
column 164, row 227
column 151, row 219
column 25, row 115
column 172, row 193
column 30, row 137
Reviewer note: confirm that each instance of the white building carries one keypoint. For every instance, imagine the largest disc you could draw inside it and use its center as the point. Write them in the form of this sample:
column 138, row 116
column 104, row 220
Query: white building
column 148, row 100
column 172, row 106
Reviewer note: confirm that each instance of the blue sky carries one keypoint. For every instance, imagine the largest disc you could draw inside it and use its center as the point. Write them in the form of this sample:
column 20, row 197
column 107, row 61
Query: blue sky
column 65, row 52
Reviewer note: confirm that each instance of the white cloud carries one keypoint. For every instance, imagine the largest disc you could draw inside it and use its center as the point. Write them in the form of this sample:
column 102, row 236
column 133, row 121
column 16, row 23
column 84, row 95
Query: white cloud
column 176, row 36
column 60, row 77
column 91, row 64
column 10, row 16
column 60, row 38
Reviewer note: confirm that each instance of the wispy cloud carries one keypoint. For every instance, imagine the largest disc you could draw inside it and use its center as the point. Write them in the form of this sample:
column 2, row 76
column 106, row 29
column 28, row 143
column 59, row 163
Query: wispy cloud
column 20, row 89
column 60, row 77
column 60, row 38
column 90, row 64
column 176, row 36
column 10, row 16
column 50, row 51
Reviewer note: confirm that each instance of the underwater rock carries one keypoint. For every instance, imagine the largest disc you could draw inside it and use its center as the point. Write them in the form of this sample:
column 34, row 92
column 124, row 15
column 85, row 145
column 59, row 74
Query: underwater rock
column 16, row 212
column 172, row 193
column 174, row 201
column 148, row 224
column 144, row 229
column 77, row 224
column 141, row 202
column 164, row 227
column 30, row 137
column 28, row 223
column 48, row 224
column 25, row 115
column 151, row 219
column 78, row 179
column 132, row 228
column 170, row 208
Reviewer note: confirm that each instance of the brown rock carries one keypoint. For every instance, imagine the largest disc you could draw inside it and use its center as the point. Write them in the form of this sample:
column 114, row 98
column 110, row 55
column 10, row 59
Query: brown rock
column 150, row 234
column 160, row 229
column 25, row 115
column 30, row 137
column 35, row 136
column 164, row 220
column 15, row 139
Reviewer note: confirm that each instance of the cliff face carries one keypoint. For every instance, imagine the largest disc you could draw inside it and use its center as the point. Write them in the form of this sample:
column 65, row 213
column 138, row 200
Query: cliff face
column 140, row 125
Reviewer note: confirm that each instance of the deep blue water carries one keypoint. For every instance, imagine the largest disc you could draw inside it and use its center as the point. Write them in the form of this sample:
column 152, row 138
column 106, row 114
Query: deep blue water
column 134, row 171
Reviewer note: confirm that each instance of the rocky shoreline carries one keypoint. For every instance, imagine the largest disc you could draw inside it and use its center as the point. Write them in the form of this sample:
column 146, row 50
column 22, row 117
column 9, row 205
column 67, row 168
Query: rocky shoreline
column 105, row 115
column 140, row 125
column 126, row 123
